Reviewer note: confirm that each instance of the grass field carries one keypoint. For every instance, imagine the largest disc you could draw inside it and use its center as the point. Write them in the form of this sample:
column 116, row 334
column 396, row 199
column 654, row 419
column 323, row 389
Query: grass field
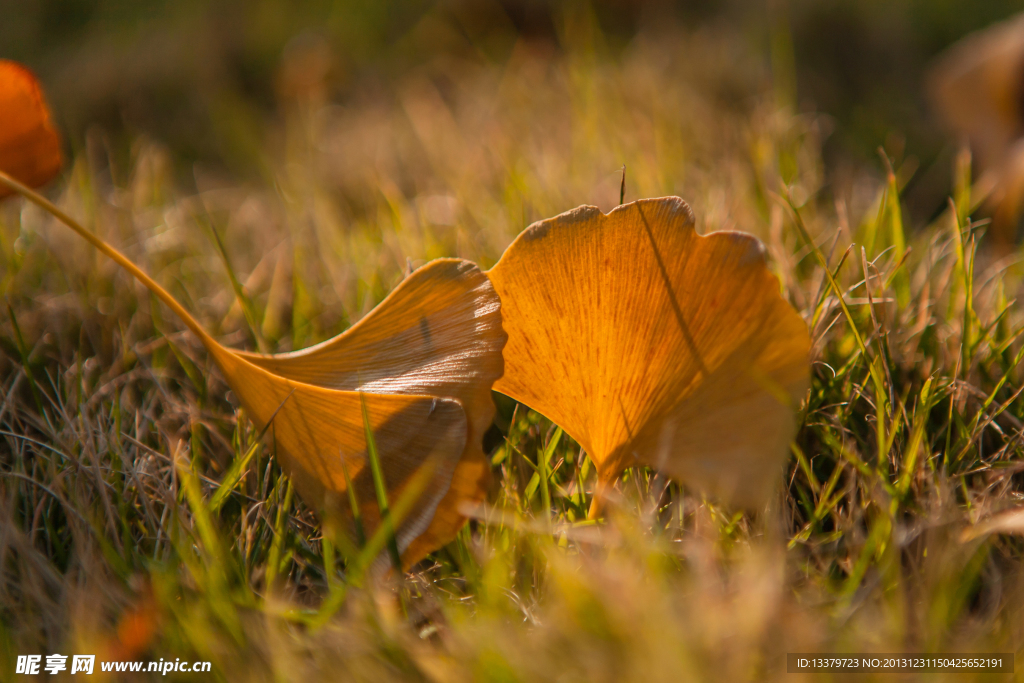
column 116, row 429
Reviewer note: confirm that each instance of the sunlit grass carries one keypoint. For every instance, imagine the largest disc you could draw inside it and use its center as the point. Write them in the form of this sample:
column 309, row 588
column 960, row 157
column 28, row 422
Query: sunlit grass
column 118, row 434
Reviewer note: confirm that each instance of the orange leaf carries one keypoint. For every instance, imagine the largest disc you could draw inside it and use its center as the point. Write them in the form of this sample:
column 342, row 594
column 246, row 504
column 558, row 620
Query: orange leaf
column 426, row 358
column 438, row 334
column 29, row 145
column 650, row 344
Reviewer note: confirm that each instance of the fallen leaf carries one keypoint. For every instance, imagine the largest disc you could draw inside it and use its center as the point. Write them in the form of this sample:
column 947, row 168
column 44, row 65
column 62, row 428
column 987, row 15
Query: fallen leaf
column 437, row 334
column 977, row 86
column 650, row 344
column 29, row 145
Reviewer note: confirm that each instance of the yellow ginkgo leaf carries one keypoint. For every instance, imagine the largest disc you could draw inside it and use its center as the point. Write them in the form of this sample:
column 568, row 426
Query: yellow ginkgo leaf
column 437, row 334
column 423, row 362
column 29, row 145
column 650, row 344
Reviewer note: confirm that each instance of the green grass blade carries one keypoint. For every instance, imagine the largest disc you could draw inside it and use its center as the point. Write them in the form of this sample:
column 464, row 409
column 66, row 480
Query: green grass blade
column 833, row 283
column 274, row 558
column 237, row 469
column 24, row 353
column 383, row 535
column 241, row 296
column 353, row 501
column 380, row 488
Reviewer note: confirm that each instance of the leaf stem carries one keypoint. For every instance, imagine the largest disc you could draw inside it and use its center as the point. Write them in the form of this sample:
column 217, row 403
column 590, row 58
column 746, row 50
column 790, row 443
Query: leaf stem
column 112, row 253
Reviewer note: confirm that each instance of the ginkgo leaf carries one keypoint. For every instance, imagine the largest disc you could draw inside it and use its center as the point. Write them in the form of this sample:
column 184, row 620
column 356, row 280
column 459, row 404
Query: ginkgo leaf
column 29, row 145
column 977, row 86
column 423, row 362
column 437, row 334
column 650, row 344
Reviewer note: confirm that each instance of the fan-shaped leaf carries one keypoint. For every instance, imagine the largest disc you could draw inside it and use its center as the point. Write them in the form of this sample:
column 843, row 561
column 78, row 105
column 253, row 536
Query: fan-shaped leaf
column 651, row 344
column 438, row 334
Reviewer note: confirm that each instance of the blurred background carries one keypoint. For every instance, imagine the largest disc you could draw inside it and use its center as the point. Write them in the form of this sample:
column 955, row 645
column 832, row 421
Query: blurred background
column 211, row 80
